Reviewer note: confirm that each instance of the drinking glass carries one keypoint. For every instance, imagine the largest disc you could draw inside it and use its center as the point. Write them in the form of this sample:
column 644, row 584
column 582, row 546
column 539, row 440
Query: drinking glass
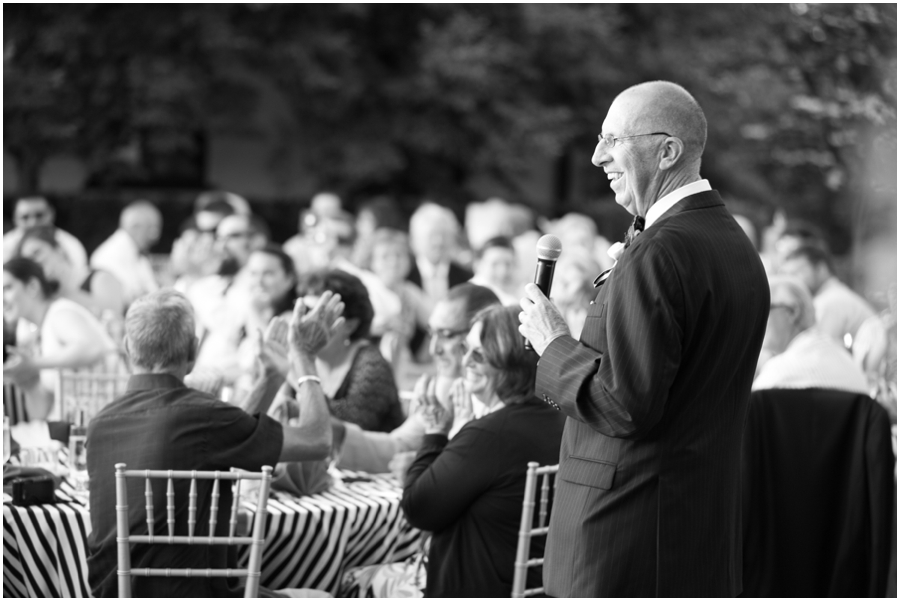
column 7, row 443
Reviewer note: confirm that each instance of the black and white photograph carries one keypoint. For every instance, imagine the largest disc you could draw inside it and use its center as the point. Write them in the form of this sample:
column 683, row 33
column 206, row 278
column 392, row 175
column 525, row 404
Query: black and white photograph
column 450, row 300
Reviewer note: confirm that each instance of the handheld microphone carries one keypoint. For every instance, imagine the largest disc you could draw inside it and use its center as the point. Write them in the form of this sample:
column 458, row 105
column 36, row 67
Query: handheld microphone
column 548, row 250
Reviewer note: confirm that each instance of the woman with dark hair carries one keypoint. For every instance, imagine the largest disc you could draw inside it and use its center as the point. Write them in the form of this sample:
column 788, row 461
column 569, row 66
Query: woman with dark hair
column 229, row 350
column 468, row 491
column 357, row 380
column 70, row 336
column 96, row 289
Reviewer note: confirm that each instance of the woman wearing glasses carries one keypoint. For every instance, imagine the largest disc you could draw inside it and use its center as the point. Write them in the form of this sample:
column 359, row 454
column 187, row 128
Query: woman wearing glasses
column 468, row 491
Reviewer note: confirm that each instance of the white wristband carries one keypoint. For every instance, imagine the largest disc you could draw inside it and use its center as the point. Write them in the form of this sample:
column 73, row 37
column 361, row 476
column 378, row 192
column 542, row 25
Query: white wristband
column 303, row 379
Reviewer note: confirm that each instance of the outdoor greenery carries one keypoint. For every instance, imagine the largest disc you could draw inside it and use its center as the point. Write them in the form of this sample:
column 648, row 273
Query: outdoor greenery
column 417, row 100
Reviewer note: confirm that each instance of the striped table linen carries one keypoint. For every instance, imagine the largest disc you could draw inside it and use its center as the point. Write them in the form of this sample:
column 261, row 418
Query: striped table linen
column 310, row 541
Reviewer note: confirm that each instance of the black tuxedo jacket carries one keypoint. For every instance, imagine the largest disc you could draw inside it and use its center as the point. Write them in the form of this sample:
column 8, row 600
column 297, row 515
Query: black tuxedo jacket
column 656, row 393
column 457, row 274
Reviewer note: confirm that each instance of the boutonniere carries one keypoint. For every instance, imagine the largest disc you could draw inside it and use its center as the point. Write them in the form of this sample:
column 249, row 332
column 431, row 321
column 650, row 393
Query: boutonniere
column 615, row 251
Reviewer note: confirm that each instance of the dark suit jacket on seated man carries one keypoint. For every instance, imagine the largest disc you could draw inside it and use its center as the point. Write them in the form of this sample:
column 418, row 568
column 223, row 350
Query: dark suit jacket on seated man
column 657, row 388
column 159, row 423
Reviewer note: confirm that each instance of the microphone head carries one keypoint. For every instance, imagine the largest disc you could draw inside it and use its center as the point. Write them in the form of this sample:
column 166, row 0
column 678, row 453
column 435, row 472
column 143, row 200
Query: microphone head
column 549, row 248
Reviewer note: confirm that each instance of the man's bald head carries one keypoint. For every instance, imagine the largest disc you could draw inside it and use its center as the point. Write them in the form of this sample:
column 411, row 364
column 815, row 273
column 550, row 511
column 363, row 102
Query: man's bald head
column 143, row 222
column 663, row 106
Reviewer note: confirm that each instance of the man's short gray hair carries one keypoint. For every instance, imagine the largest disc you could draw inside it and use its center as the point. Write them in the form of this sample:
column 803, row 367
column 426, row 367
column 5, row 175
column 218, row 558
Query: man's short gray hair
column 431, row 213
column 159, row 328
column 791, row 291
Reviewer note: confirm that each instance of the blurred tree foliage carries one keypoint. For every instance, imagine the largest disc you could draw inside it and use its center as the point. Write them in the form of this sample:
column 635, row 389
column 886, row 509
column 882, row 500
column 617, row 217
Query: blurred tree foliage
column 415, row 100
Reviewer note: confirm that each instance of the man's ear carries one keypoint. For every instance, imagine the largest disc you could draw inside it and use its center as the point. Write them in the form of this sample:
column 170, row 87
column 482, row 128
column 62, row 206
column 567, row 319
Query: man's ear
column 192, row 354
column 672, row 153
column 125, row 343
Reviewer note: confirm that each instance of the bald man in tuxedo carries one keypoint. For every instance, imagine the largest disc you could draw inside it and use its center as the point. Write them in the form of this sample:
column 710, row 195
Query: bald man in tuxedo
column 656, row 390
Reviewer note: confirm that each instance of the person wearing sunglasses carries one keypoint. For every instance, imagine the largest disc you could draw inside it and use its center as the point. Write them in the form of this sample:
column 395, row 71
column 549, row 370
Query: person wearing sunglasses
column 468, row 490
column 31, row 211
column 448, row 324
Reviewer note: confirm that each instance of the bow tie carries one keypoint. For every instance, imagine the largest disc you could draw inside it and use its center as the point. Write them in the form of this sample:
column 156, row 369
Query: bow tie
column 637, row 226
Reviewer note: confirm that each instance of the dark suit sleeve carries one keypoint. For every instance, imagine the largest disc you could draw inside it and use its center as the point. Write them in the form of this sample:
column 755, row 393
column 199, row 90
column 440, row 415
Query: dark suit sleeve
column 617, row 378
column 446, row 478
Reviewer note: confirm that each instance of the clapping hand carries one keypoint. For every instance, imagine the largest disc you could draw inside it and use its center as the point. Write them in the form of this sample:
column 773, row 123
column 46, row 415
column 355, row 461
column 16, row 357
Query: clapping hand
column 438, row 418
column 310, row 331
column 272, row 347
column 461, row 400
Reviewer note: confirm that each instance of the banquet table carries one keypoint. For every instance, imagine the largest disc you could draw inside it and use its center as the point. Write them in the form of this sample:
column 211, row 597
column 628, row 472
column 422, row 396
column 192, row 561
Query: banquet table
column 310, row 540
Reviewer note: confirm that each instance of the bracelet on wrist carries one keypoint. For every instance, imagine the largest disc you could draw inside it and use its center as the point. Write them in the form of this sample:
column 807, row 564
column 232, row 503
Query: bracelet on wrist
column 302, row 379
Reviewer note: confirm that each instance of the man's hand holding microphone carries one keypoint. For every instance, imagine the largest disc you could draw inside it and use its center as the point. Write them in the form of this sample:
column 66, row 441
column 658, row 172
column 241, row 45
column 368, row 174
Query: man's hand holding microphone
column 541, row 323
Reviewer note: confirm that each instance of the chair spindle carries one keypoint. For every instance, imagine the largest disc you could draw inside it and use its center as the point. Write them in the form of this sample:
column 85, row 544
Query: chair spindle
column 214, row 507
column 192, row 505
column 170, row 506
column 148, row 494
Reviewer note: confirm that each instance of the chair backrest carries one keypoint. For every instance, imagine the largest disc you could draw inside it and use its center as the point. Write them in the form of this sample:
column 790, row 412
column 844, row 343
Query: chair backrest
column 817, row 486
column 124, row 538
column 527, row 528
column 91, row 389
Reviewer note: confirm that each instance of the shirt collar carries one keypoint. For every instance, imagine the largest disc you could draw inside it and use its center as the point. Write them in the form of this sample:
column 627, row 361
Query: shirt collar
column 151, row 381
column 479, row 409
column 429, row 270
column 671, row 199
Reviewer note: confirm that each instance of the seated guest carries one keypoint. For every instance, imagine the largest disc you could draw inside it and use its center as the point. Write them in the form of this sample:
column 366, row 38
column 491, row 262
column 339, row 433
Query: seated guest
column 124, row 253
column 159, row 423
column 357, row 380
column 468, row 492
column 495, row 268
column 31, row 211
column 228, row 350
column 433, row 236
column 358, row 449
column 225, row 296
column 795, row 353
column 387, row 255
column 95, row 289
column 69, row 336
column 573, row 286
column 194, row 254
column 839, row 311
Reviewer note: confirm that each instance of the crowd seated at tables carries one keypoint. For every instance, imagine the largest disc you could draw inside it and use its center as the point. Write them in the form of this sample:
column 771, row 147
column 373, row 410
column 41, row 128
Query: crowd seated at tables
column 368, row 342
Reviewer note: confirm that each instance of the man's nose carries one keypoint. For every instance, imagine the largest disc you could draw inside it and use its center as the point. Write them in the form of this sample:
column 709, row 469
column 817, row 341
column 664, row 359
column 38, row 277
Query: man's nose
column 434, row 348
column 601, row 156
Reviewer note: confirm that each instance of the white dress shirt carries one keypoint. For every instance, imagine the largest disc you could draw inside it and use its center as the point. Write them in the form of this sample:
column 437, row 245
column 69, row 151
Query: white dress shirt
column 120, row 256
column 671, row 199
column 812, row 360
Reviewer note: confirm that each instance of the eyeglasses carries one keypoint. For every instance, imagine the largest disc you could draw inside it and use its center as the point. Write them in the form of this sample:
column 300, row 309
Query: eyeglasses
column 446, row 333
column 476, row 354
column 610, row 141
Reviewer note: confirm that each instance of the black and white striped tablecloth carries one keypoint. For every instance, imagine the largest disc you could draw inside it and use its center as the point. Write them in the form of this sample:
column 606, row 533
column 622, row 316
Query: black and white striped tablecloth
column 310, row 541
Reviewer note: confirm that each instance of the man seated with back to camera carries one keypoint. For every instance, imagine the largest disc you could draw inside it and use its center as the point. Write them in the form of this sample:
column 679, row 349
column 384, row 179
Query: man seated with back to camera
column 159, row 423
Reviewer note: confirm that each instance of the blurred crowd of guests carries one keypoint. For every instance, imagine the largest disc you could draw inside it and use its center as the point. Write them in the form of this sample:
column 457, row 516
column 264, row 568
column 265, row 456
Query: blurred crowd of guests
column 423, row 312
column 238, row 278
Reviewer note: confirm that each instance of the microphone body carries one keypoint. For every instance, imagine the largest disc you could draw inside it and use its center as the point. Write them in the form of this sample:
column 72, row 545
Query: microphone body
column 543, row 275
column 548, row 250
